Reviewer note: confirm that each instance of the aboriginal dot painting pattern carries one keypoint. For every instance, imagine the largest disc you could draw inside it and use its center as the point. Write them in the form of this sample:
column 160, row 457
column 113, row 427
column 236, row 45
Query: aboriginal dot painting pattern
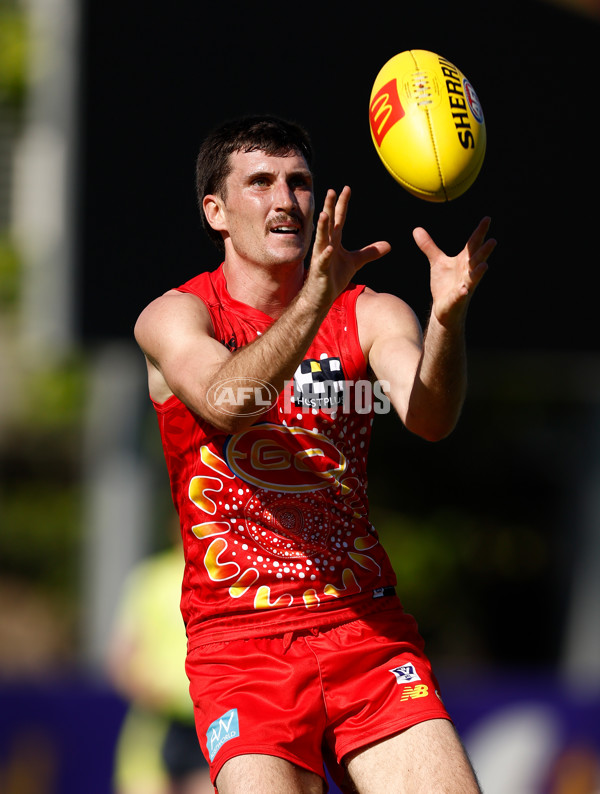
column 307, row 540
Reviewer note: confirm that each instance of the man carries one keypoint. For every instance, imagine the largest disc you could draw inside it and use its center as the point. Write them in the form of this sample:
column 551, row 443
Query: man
column 298, row 648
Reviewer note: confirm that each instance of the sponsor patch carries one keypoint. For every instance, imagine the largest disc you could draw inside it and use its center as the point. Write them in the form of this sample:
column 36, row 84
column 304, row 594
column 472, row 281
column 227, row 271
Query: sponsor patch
column 405, row 674
column 414, row 692
column 385, row 110
column 319, row 384
column 221, row 731
column 473, row 101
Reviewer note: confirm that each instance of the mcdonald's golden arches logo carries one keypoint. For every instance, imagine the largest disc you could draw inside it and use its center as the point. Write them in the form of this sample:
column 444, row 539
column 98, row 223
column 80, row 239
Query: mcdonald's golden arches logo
column 385, row 110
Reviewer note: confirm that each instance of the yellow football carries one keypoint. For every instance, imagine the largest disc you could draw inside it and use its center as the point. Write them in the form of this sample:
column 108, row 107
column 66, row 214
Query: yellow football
column 427, row 125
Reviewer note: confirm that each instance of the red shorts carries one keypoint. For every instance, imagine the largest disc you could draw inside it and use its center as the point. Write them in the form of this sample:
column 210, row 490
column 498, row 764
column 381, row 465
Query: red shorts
column 316, row 695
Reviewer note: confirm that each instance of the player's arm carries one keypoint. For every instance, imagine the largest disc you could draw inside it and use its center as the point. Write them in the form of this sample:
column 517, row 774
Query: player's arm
column 439, row 390
column 392, row 339
column 176, row 335
column 424, row 379
column 427, row 377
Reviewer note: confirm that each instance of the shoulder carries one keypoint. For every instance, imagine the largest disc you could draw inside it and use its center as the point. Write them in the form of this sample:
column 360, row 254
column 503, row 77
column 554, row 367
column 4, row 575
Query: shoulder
column 371, row 301
column 381, row 314
column 169, row 312
column 176, row 335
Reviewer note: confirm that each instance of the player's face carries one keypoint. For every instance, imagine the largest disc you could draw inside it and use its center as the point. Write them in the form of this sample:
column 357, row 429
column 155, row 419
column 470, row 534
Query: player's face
column 267, row 213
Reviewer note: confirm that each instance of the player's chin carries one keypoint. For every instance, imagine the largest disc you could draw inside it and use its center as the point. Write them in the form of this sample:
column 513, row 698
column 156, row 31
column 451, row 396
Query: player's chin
column 289, row 246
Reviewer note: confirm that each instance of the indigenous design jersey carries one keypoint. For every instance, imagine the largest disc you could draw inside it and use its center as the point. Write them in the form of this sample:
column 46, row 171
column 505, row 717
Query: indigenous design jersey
column 275, row 518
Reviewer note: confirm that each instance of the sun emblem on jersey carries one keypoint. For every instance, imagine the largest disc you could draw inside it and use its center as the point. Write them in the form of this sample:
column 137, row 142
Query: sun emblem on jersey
column 289, row 525
column 269, row 533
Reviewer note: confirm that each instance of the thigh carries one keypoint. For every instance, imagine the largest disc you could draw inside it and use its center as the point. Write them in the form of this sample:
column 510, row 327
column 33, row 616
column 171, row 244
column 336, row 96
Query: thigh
column 377, row 681
column 424, row 758
column 257, row 774
column 261, row 698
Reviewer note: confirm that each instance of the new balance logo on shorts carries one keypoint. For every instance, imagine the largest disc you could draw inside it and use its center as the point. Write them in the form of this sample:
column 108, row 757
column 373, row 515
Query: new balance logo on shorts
column 222, row 730
column 405, row 673
column 414, row 692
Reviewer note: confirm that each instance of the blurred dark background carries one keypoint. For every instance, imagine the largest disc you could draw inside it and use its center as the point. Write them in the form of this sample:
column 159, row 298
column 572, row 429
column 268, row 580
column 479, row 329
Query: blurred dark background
column 155, row 83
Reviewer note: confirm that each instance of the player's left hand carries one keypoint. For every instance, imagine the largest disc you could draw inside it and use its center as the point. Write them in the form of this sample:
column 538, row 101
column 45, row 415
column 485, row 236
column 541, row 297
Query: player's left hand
column 455, row 278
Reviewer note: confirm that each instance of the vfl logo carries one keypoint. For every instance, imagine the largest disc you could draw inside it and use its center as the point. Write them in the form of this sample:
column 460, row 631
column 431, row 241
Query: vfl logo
column 319, row 384
column 222, row 730
column 405, row 674
column 385, row 110
column 414, row 692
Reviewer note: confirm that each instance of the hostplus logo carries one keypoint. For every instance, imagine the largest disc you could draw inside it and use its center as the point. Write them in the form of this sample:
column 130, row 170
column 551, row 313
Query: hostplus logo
column 221, row 731
column 319, row 383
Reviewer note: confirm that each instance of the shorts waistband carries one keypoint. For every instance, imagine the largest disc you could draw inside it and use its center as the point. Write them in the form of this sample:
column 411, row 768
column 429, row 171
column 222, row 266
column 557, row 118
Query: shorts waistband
column 384, row 596
column 379, row 592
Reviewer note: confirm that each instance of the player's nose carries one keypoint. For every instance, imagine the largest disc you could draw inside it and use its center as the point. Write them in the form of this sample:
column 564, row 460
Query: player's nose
column 284, row 197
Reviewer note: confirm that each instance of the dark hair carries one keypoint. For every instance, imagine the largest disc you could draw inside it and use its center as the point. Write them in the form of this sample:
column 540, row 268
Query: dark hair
column 267, row 134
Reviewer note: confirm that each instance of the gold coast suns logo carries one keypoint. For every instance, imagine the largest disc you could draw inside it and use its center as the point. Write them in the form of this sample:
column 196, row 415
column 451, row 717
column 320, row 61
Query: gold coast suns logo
column 285, row 459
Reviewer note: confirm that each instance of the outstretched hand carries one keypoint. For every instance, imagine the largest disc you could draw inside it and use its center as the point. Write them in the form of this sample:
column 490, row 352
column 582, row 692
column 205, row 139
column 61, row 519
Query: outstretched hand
column 331, row 264
column 455, row 278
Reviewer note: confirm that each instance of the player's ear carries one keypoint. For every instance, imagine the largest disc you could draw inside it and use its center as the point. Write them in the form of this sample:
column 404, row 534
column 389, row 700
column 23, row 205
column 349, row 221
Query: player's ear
column 213, row 211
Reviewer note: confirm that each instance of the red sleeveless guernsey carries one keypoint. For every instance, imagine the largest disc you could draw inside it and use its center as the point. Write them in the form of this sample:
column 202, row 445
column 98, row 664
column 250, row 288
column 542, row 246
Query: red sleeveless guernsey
column 274, row 518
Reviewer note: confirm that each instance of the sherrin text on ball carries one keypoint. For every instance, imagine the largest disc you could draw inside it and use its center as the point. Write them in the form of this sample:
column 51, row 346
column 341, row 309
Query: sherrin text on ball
column 427, row 125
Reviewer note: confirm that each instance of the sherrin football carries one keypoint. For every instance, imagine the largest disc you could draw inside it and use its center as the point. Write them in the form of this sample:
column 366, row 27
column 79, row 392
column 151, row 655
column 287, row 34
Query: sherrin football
column 427, row 125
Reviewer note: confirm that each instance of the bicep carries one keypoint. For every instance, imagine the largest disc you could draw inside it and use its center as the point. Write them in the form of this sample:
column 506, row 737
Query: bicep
column 176, row 336
column 393, row 343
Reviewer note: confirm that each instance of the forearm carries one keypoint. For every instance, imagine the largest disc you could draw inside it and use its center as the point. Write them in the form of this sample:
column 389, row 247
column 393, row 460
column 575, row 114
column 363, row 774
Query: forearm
column 271, row 359
column 440, row 384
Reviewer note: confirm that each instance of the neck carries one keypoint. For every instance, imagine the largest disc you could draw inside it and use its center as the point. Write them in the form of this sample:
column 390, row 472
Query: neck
column 269, row 289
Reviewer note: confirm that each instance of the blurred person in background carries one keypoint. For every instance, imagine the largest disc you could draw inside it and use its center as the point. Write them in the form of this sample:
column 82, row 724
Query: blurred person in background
column 158, row 750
